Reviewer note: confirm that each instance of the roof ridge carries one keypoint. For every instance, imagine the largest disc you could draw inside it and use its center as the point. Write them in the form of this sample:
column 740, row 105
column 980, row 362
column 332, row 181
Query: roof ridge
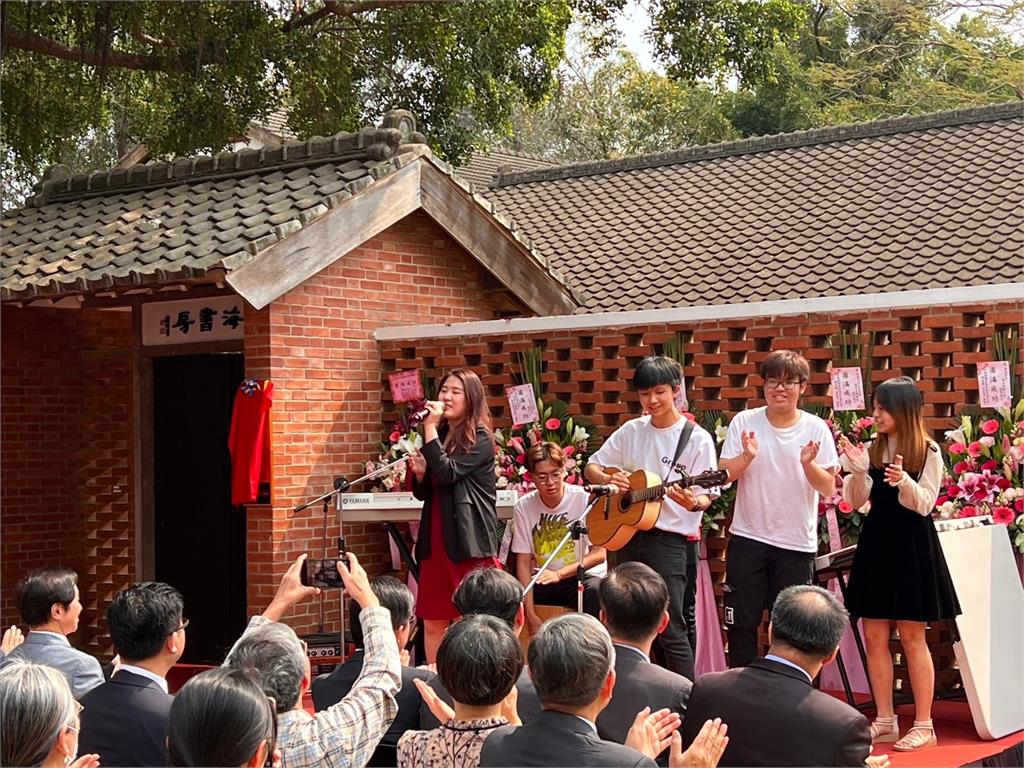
column 517, row 153
column 829, row 134
column 398, row 128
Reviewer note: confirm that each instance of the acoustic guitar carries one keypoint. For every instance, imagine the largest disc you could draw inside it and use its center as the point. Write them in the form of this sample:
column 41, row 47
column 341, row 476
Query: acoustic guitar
column 615, row 519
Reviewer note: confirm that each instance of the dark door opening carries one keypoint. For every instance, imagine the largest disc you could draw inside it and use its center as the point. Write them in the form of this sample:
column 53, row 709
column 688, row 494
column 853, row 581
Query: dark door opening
column 199, row 545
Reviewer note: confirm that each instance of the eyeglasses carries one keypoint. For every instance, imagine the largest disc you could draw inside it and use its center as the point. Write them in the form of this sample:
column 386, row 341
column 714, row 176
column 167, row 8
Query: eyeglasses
column 787, row 384
column 547, row 478
column 179, row 627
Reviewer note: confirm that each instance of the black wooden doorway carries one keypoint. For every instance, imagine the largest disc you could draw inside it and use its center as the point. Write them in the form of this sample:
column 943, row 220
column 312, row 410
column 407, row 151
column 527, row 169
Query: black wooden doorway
column 199, row 538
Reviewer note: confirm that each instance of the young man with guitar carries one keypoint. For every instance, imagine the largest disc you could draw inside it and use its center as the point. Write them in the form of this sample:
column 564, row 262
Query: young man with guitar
column 663, row 444
column 783, row 458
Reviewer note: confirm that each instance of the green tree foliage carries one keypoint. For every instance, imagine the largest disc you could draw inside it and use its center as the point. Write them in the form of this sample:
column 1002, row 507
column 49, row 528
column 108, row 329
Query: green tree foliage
column 617, row 109
column 186, row 77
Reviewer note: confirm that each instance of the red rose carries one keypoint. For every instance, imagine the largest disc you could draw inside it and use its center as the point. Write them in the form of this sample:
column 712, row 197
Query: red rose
column 552, row 423
column 990, row 427
column 395, row 436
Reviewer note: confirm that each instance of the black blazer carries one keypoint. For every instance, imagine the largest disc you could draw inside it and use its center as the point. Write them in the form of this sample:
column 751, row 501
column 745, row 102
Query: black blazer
column 527, row 705
column 777, row 718
column 466, row 485
column 329, row 689
column 639, row 684
column 556, row 739
column 124, row 721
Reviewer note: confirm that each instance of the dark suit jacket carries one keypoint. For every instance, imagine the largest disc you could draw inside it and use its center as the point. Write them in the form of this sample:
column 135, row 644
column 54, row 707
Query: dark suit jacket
column 124, row 721
column 527, row 705
column 639, row 684
column 556, row 739
column 328, row 690
column 468, row 494
column 777, row 718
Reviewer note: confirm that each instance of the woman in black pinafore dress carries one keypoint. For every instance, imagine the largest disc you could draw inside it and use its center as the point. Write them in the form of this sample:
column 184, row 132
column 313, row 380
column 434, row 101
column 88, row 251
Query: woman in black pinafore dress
column 899, row 573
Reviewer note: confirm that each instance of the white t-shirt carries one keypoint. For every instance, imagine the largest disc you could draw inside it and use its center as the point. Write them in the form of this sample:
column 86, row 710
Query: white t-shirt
column 537, row 529
column 639, row 445
column 775, row 503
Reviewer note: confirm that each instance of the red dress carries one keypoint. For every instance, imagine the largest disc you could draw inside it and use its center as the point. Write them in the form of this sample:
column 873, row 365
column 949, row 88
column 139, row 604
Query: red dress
column 439, row 576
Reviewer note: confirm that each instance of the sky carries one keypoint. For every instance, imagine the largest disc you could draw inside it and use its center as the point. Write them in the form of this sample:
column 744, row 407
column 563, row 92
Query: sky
column 633, row 24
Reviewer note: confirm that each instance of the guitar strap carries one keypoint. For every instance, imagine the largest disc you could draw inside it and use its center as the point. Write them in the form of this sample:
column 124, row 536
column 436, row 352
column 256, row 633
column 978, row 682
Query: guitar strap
column 684, row 438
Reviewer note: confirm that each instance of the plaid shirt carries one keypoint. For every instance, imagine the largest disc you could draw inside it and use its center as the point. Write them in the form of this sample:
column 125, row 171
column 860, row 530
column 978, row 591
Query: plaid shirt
column 345, row 735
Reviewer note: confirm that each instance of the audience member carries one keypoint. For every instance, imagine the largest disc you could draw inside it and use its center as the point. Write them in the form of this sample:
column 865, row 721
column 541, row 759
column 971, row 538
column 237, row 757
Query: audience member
column 491, row 592
column 478, row 662
column 328, row 690
column 348, row 732
column 572, row 663
column 125, row 719
column 50, row 606
column 634, row 609
column 38, row 718
column 776, row 717
column 222, row 717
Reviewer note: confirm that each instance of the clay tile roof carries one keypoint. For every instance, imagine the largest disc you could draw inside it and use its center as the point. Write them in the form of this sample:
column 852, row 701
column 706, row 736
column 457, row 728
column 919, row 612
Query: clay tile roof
column 199, row 217
column 483, row 167
column 909, row 203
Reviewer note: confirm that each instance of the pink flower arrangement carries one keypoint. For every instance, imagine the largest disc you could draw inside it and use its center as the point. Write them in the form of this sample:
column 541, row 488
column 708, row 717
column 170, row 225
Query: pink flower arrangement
column 575, row 437
column 990, row 427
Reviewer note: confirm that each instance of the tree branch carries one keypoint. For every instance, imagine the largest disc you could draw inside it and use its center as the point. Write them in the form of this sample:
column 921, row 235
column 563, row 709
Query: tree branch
column 351, row 9
column 26, row 41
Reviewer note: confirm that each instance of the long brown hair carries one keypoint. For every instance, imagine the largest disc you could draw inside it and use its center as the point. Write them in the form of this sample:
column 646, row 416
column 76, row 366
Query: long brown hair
column 461, row 435
column 904, row 402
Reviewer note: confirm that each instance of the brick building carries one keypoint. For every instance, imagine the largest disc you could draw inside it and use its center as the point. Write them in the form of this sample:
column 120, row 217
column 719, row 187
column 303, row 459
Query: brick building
column 360, row 254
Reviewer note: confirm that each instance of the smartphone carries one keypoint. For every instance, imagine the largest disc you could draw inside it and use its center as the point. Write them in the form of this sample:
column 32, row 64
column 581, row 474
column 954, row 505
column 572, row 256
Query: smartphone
column 323, row 573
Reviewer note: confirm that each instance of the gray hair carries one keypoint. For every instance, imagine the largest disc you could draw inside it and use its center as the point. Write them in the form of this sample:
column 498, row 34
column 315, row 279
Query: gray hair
column 35, row 706
column 570, row 658
column 274, row 654
column 809, row 619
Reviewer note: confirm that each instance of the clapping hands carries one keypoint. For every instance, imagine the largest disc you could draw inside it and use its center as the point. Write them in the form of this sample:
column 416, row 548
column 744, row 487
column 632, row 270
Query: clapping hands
column 651, row 732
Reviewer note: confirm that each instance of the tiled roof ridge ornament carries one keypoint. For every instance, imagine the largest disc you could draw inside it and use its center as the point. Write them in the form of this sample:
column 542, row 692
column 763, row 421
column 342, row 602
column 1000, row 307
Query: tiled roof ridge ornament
column 396, row 134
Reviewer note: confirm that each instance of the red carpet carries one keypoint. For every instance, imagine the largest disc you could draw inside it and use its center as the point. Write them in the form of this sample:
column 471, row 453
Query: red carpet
column 959, row 744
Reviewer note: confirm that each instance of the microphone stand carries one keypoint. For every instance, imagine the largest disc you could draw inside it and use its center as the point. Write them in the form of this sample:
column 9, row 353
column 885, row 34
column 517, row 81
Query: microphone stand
column 577, row 529
column 341, row 484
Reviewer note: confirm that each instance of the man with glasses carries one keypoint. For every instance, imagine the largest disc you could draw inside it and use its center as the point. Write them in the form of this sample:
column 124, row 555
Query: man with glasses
column 784, row 459
column 125, row 718
column 540, row 522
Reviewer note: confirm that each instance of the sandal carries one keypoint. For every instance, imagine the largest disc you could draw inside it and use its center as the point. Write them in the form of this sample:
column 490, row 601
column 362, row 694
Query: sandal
column 885, row 730
column 922, row 735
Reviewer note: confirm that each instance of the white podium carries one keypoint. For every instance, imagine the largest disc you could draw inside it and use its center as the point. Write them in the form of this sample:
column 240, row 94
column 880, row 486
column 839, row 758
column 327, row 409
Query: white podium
column 990, row 652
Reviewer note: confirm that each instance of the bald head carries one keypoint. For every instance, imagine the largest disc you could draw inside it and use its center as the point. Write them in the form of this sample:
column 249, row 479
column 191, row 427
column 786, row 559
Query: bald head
column 810, row 620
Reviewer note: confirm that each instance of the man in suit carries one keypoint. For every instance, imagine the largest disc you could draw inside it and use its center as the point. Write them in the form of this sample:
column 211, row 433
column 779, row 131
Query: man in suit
column 492, row 592
column 124, row 720
column 51, row 606
column 330, row 689
column 572, row 664
column 634, row 609
column 775, row 716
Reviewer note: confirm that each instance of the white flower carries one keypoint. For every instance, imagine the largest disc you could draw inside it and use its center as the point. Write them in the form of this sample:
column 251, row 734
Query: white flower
column 720, row 432
column 987, row 440
column 499, row 436
column 502, row 482
column 579, row 434
column 956, row 436
column 410, row 443
column 946, row 510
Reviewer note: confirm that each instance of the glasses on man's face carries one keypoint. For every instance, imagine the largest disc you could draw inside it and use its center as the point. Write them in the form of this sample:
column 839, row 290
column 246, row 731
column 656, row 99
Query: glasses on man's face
column 179, row 627
column 786, row 384
column 411, row 624
column 547, row 478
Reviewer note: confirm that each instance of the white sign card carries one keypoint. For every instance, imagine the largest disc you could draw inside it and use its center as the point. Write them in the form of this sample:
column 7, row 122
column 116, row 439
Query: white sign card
column 847, row 389
column 406, row 386
column 193, row 320
column 994, row 384
column 522, row 404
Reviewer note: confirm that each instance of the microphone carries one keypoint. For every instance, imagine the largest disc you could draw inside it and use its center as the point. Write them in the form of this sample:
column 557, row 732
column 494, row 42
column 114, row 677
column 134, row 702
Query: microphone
column 341, row 484
column 418, row 415
column 602, row 490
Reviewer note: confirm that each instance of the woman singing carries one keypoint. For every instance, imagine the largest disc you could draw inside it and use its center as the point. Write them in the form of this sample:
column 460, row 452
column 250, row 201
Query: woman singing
column 899, row 574
column 454, row 477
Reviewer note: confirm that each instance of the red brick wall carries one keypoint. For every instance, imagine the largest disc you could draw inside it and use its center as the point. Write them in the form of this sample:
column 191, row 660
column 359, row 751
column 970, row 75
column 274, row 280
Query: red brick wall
column 316, row 344
column 66, row 423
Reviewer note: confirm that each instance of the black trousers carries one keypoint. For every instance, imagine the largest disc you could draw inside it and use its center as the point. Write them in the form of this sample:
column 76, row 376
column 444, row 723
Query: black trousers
column 755, row 573
column 666, row 553
column 564, row 593
column 690, row 596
